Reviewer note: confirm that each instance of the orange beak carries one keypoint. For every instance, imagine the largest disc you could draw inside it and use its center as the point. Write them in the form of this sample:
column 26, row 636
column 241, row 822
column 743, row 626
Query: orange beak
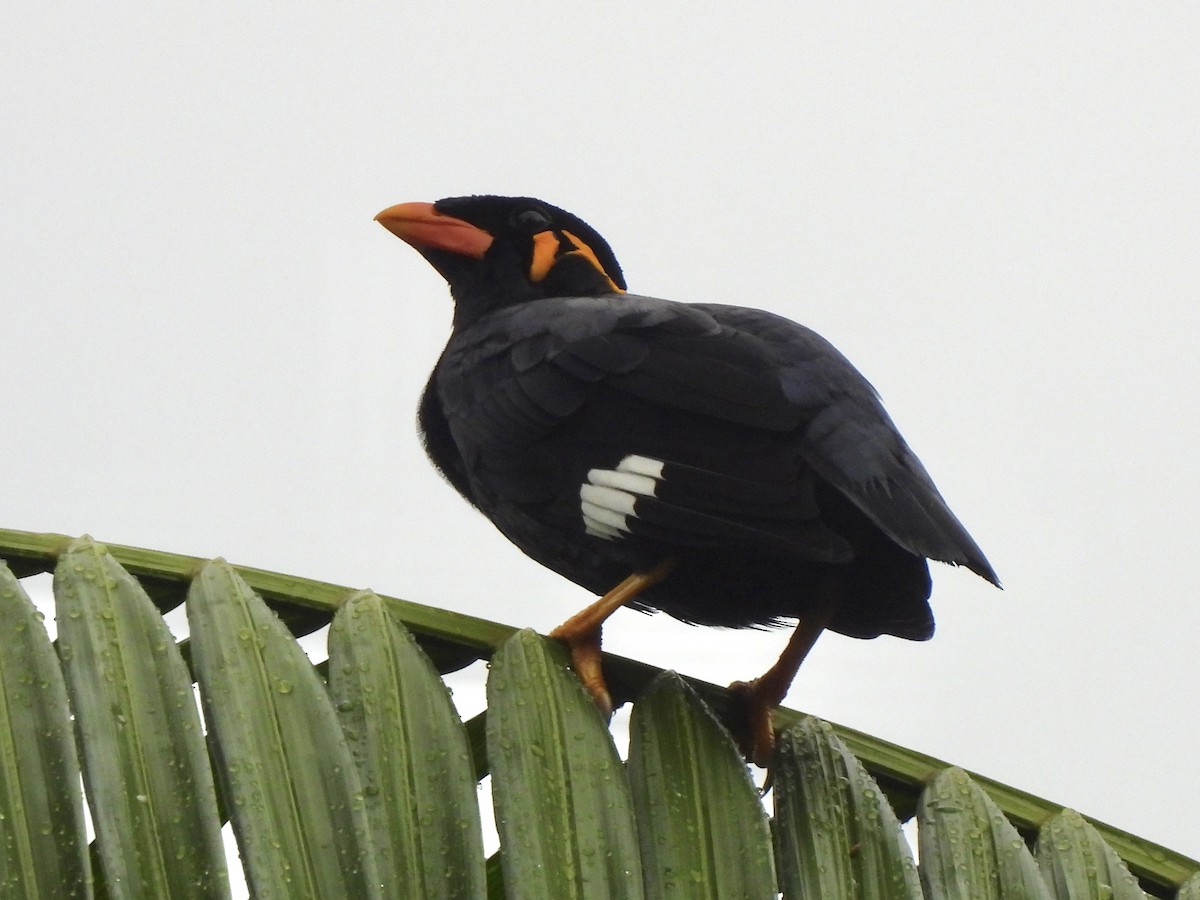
column 420, row 225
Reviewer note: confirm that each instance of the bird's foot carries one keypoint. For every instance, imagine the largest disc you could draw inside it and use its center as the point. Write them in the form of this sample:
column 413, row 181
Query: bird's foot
column 586, row 661
column 753, row 731
column 581, row 632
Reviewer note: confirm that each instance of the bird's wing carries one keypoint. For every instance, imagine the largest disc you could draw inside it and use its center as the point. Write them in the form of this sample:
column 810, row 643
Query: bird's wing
column 851, row 442
column 529, row 368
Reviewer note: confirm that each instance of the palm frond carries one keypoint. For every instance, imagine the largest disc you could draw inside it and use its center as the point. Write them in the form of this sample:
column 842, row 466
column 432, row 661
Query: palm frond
column 364, row 783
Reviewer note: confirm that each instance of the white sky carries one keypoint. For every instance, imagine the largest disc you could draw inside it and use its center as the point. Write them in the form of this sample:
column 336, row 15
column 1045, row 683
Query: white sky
column 209, row 347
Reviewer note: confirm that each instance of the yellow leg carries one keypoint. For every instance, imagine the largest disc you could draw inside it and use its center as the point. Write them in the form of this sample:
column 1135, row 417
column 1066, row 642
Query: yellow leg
column 760, row 696
column 581, row 632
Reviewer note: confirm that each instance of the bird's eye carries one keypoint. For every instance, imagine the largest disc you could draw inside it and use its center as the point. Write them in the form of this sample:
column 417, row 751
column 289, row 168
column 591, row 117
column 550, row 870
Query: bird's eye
column 530, row 221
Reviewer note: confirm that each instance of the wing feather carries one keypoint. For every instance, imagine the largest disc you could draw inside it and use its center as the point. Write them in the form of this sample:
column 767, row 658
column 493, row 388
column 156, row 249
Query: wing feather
column 536, row 368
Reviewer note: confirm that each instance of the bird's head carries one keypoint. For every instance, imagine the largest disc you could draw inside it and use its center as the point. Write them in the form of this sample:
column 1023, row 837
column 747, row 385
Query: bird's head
column 497, row 251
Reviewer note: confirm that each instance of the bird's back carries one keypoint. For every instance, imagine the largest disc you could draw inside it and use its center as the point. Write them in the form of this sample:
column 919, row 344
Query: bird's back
column 778, row 468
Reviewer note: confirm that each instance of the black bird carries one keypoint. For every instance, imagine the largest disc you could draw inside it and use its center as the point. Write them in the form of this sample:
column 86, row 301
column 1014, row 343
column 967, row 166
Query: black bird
column 720, row 463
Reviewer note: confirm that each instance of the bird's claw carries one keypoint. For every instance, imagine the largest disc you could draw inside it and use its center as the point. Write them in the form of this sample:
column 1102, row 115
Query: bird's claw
column 586, row 661
column 754, row 731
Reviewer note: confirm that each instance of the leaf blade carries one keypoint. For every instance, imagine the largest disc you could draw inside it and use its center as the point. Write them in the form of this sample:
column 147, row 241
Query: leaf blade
column 837, row 836
column 43, row 841
column 146, row 768
column 969, row 850
column 563, row 807
column 412, row 755
column 293, row 792
column 1078, row 865
column 702, row 828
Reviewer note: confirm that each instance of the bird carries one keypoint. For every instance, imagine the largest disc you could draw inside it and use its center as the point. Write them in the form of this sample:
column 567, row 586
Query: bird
column 717, row 462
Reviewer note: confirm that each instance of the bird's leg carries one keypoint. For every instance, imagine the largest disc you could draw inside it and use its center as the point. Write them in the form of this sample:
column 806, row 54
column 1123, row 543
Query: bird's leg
column 759, row 697
column 581, row 632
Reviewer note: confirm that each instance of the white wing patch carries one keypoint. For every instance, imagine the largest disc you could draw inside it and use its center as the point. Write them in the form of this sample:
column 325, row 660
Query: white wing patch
column 609, row 497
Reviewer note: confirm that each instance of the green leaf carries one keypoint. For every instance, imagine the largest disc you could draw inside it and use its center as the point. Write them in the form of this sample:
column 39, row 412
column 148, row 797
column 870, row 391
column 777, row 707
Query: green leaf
column 167, row 577
column 290, row 784
column 563, row 808
column 43, row 840
column 495, row 878
column 1078, row 865
column 146, row 768
column 702, row 827
column 968, row 848
column 412, row 755
column 1190, row 889
column 902, row 773
column 836, row 834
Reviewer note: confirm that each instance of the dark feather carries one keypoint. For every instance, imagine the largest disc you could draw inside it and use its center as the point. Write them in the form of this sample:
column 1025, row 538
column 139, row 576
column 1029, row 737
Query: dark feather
column 774, row 447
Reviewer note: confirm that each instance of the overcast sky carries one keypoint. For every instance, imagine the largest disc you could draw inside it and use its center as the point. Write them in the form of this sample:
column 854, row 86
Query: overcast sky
column 209, row 347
